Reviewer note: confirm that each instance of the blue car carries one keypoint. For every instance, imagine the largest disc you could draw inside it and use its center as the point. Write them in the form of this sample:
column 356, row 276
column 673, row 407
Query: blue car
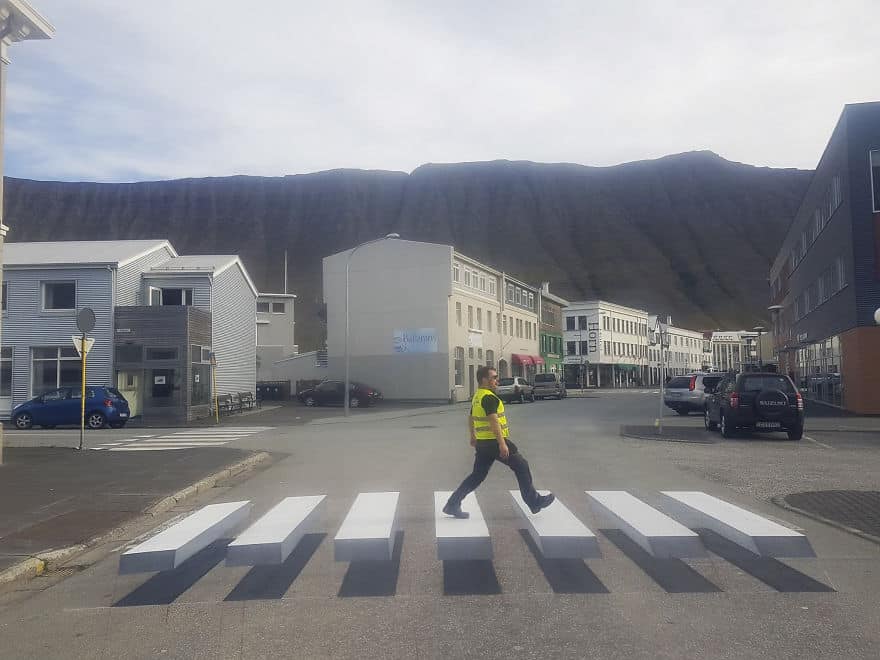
column 104, row 406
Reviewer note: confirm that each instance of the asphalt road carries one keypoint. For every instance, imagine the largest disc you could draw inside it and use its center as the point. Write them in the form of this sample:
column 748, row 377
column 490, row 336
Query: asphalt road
column 625, row 605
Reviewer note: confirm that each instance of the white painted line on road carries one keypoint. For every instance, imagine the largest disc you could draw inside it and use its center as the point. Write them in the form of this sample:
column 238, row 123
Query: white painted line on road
column 821, row 444
column 369, row 529
column 173, row 546
column 461, row 538
column 557, row 531
column 273, row 537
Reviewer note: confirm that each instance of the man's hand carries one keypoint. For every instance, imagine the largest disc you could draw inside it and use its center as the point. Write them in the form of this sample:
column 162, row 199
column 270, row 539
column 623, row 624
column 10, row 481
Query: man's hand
column 503, row 451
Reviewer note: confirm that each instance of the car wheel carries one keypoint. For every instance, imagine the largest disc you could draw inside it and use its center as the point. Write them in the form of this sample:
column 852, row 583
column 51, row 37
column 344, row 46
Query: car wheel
column 796, row 433
column 310, row 401
column 707, row 421
column 117, row 425
column 354, row 402
column 96, row 420
column 23, row 421
column 726, row 429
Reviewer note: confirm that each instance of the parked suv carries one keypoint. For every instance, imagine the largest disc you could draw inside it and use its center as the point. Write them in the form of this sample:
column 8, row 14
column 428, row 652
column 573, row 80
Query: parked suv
column 549, row 385
column 63, row 407
column 515, row 389
column 685, row 394
column 758, row 402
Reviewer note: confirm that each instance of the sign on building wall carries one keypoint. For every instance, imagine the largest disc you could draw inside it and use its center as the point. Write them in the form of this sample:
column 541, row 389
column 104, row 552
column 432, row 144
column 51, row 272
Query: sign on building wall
column 418, row 340
column 475, row 339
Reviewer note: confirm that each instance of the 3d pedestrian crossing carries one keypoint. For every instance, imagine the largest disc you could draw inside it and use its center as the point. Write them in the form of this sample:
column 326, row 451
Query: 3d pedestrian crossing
column 188, row 439
column 369, row 529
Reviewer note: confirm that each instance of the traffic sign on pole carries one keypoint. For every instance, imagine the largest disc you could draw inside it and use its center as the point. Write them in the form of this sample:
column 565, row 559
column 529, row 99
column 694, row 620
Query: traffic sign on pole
column 78, row 343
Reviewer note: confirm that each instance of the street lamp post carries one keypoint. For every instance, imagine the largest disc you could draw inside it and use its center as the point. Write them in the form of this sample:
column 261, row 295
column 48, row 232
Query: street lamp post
column 760, row 329
column 347, row 319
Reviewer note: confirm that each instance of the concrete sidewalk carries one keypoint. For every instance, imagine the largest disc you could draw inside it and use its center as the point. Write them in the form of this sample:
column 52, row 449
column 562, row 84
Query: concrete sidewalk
column 55, row 501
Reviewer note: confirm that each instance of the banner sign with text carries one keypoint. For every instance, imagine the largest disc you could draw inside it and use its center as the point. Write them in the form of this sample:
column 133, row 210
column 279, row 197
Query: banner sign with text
column 418, row 340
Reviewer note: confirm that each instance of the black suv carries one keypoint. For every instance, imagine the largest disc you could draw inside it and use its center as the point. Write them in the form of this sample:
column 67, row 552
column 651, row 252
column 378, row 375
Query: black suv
column 755, row 401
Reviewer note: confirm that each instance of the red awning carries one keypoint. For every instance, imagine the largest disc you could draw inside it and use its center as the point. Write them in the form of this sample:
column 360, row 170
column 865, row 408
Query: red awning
column 524, row 360
column 538, row 359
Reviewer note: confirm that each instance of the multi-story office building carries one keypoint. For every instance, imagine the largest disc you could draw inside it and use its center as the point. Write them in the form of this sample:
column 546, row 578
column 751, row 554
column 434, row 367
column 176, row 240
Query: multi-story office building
column 424, row 317
column 550, row 326
column 733, row 350
column 825, row 280
column 686, row 351
column 606, row 345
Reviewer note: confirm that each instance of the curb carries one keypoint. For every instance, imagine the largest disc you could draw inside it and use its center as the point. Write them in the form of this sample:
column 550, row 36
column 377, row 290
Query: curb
column 665, row 438
column 780, row 502
column 37, row 565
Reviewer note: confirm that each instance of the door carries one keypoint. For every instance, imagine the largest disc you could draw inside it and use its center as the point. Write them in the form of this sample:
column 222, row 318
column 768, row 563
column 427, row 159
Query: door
column 58, row 408
column 129, row 385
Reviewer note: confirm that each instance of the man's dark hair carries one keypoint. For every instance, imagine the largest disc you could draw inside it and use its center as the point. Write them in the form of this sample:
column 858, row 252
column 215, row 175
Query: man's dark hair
column 483, row 373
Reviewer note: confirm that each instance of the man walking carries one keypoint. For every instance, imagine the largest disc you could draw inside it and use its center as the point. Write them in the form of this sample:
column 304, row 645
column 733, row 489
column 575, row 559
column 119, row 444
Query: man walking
column 490, row 440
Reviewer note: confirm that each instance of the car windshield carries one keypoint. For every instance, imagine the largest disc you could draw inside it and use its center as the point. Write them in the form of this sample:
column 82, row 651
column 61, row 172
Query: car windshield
column 760, row 383
column 505, row 381
column 545, row 378
column 679, row 382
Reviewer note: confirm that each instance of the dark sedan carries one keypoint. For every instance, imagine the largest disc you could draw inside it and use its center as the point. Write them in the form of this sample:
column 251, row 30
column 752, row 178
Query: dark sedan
column 332, row 392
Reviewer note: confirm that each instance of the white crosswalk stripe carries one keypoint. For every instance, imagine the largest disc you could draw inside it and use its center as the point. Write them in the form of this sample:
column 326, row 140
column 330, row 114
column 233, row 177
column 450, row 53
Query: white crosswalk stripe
column 189, row 439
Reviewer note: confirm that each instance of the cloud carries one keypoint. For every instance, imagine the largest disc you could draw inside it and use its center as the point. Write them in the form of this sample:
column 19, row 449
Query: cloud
column 165, row 89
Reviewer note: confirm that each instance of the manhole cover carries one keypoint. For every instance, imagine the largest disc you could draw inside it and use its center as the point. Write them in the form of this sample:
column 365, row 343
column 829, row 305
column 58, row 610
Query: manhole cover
column 857, row 509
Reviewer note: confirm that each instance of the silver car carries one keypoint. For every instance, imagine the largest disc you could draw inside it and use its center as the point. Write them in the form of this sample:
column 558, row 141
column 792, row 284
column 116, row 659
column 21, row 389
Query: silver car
column 685, row 394
column 515, row 389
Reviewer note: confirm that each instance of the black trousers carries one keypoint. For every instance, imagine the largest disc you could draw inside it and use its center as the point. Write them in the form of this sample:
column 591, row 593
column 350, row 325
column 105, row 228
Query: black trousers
column 486, row 453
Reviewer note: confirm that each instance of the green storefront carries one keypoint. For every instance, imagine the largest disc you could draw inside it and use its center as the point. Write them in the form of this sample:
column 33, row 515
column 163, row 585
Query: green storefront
column 551, row 351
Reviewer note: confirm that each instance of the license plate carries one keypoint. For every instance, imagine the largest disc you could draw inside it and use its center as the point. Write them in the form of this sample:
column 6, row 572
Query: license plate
column 123, row 414
column 768, row 425
column 674, row 395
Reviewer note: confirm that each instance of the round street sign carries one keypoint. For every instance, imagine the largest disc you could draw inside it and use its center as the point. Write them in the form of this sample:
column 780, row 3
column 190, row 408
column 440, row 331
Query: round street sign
column 85, row 320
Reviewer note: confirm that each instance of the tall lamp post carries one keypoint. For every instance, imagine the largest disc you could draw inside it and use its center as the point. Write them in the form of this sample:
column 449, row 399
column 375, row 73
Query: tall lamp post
column 348, row 320
column 760, row 330
column 18, row 22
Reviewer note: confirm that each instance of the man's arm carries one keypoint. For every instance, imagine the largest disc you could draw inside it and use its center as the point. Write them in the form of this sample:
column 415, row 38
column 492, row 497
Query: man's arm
column 495, row 425
column 471, row 430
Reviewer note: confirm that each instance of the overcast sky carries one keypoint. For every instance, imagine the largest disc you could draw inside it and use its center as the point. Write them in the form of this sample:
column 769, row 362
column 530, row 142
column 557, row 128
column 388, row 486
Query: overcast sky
column 131, row 91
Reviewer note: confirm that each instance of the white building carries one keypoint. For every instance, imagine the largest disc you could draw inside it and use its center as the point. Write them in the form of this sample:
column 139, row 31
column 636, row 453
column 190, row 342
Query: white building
column 687, row 352
column 275, row 336
column 606, row 345
column 732, row 349
column 423, row 317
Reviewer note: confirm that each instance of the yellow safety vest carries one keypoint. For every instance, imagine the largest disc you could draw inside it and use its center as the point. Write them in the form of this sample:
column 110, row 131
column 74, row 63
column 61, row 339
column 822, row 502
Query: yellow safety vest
column 482, row 428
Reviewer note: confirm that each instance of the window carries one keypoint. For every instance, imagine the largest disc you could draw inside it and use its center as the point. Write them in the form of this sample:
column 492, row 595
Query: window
column 129, row 353
column 875, row 180
column 841, row 273
column 261, row 307
column 471, row 352
column 458, row 365
column 509, row 293
column 518, row 296
column 54, row 367
column 482, row 283
column 490, row 358
column 456, row 273
column 59, row 295
column 505, row 324
column 528, row 330
column 161, row 354
column 582, row 347
column 467, row 278
column 458, row 313
column 6, row 371
column 470, row 317
column 492, row 286
column 519, row 328
column 277, row 308
column 531, row 301
column 489, row 320
column 569, row 323
column 570, row 347
column 4, row 297
column 479, row 318
column 582, row 323
column 480, row 354
column 176, row 297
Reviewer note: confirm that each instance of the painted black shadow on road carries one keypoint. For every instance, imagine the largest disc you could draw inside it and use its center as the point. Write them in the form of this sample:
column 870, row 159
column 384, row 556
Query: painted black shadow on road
column 372, row 577
column 470, row 577
column 565, row 576
column 166, row 587
column 768, row 570
column 673, row 575
column 272, row 582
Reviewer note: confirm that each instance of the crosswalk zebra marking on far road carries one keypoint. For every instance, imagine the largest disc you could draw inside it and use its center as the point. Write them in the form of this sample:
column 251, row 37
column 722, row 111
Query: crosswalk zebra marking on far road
column 188, row 439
